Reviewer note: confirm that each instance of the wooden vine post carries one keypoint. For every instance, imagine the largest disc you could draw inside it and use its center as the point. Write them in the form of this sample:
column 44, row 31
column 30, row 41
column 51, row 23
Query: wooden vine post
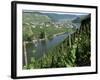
column 25, row 54
column 70, row 41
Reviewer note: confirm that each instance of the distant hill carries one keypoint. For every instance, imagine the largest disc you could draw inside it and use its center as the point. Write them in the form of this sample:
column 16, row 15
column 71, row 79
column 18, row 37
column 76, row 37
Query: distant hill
column 80, row 18
column 60, row 17
column 36, row 18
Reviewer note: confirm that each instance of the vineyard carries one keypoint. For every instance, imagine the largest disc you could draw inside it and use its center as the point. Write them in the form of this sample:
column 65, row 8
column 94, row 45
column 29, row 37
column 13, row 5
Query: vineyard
column 73, row 51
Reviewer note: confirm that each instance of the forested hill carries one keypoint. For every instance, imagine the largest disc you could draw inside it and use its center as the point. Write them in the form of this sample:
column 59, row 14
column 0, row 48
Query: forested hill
column 83, row 51
column 30, row 18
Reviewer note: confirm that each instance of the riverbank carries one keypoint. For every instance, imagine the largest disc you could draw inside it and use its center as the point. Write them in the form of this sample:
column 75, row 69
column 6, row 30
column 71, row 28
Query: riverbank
column 38, row 40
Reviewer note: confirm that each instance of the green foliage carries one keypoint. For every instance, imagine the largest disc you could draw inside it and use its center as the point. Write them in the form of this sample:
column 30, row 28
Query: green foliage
column 28, row 34
column 63, row 55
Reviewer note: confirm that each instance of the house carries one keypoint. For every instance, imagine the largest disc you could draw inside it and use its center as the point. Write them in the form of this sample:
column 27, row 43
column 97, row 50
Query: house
column 27, row 24
column 41, row 27
column 33, row 26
